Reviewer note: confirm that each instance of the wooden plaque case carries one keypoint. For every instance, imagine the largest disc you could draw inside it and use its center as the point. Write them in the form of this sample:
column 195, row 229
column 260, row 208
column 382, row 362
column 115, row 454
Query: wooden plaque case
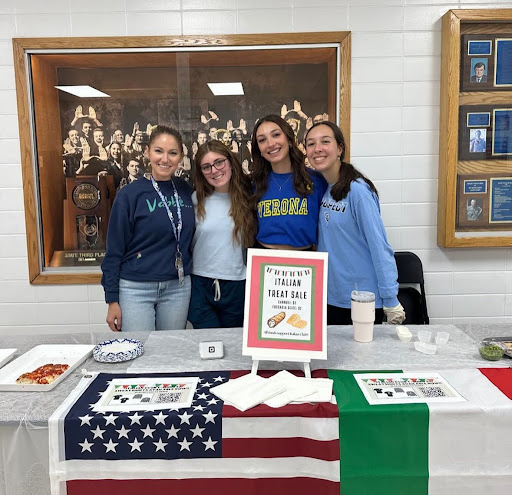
column 457, row 161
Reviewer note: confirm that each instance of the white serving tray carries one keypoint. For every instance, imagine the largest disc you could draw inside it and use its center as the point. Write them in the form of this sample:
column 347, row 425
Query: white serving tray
column 6, row 355
column 70, row 354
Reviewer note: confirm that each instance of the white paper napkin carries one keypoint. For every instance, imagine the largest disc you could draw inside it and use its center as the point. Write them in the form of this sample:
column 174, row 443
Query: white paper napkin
column 247, row 391
column 323, row 391
column 295, row 388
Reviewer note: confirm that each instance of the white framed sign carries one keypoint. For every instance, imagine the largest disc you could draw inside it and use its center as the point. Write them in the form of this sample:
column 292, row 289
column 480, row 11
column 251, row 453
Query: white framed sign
column 285, row 305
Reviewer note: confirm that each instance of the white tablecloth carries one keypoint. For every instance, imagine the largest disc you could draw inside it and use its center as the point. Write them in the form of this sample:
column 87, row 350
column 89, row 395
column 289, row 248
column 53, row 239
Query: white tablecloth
column 24, row 415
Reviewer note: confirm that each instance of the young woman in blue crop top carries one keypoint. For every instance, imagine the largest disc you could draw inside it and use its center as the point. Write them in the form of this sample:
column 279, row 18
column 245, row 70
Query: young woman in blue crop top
column 287, row 194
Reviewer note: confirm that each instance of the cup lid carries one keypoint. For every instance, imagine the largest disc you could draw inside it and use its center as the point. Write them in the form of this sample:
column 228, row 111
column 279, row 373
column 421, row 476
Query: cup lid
column 362, row 296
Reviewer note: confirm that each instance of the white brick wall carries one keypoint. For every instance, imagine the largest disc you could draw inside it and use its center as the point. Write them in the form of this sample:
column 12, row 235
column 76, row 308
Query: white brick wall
column 396, row 46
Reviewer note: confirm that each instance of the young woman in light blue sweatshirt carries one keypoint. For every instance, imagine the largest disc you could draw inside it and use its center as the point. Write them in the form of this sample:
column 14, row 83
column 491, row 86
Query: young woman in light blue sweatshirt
column 350, row 229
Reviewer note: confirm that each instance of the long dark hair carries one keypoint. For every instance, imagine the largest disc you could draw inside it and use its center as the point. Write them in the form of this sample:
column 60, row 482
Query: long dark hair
column 261, row 168
column 348, row 173
column 240, row 189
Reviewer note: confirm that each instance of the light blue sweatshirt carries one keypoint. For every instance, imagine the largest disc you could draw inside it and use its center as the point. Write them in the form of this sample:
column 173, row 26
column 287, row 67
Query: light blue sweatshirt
column 360, row 257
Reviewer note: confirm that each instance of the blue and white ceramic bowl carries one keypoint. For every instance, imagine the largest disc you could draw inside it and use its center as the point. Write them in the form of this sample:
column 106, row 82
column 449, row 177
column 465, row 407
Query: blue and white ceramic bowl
column 117, row 350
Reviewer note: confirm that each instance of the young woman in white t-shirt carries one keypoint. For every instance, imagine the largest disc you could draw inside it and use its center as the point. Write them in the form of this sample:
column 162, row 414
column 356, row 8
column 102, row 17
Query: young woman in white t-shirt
column 225, row 228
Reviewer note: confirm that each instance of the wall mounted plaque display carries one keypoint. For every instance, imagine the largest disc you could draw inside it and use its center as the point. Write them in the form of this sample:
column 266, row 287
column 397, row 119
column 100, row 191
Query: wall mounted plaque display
column 485, row 132
column 86, row 108
column 475, row 143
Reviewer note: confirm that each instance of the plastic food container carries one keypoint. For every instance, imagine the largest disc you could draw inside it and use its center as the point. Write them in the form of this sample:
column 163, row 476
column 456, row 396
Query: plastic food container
column 507, row 348
column 425, row 347
column 442, row 338
column 504, row 342
column 404, row 334
column 491, row 351
column 424, row 335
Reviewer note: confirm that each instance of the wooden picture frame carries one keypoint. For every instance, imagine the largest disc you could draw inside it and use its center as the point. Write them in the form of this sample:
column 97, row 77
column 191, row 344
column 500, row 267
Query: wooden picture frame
column 38, row 62
column 473, row 159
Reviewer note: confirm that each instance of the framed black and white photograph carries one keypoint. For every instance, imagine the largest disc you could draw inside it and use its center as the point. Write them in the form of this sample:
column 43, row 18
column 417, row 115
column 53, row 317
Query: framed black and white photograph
column 90, row 105
column 477, row 142
column 474, row 209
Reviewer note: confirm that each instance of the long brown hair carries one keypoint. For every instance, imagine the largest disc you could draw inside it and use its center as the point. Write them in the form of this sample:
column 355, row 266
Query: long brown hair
column 240, row 189
column 348, row 173
column 261, row 167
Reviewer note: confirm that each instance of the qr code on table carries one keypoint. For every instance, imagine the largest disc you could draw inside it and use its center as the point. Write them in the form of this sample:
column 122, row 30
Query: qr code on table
column 432, row 392
column 168, row 397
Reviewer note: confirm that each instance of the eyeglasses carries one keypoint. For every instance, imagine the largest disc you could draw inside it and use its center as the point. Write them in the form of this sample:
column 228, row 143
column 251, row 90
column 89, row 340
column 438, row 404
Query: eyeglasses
column 218, row 164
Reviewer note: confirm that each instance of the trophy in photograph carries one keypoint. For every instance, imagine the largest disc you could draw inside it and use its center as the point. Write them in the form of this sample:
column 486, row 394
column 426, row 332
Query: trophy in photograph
column 86, row 213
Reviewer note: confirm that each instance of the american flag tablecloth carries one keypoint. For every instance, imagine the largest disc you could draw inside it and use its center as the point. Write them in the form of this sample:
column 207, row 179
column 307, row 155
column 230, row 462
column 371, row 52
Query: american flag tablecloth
column 209, row 448
column 349, row 447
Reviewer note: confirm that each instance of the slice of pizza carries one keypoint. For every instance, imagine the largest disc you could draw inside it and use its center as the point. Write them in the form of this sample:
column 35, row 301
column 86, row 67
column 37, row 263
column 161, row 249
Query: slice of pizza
column 27, row 378
column 43, row 375
column 51, row 374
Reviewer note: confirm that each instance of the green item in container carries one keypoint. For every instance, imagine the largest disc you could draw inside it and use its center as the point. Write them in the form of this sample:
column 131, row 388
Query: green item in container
column 491, row 352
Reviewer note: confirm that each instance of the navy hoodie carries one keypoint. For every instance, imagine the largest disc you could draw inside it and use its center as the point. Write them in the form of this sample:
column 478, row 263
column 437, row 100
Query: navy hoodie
column 141, row 245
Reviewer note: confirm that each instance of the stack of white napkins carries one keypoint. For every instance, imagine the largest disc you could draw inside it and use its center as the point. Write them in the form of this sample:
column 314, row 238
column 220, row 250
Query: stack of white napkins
column 277, row 391
column 322, row 393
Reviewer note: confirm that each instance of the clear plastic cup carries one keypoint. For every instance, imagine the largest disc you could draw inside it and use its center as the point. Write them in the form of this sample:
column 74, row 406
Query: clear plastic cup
column 425, row 347
column 442, row 338
column 424, row 335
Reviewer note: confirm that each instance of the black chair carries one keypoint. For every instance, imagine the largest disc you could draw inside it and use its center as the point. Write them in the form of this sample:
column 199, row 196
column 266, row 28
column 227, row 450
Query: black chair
column 410, row 271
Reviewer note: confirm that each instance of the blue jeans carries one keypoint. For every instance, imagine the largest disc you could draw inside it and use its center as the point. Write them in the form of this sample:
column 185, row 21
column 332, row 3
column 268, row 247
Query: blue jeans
column 148, row 306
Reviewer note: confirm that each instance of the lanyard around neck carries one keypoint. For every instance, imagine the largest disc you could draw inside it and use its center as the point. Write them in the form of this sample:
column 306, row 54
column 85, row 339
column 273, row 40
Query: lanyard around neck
column 175, row 228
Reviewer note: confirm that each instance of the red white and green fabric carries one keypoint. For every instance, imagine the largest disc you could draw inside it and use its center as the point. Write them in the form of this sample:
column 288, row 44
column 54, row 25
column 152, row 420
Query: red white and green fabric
column 350, row 447
column 434, row 449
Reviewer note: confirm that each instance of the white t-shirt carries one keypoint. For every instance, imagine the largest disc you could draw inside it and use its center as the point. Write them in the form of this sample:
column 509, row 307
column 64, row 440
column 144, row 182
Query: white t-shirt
column 215, row 253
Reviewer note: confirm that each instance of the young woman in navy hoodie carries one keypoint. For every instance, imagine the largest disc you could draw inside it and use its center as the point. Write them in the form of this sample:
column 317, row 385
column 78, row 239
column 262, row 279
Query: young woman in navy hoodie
column 146, row 270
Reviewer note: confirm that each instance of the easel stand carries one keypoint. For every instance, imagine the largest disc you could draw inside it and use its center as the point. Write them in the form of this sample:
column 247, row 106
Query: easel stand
column 305, row 362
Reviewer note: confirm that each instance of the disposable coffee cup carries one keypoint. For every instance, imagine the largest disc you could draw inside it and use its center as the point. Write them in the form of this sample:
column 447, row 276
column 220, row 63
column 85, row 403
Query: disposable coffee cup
column 363, row 315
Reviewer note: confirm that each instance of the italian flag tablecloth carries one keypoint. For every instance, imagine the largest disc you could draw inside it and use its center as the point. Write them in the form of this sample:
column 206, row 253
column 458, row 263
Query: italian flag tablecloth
column 346, row 446
column 434, row 449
